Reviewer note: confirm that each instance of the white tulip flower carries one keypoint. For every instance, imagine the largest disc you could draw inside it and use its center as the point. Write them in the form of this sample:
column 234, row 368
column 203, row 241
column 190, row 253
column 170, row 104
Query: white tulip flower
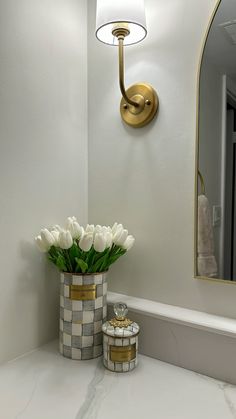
column 41, row 245
column 86, row 242
column 120, row 237
column 65, row 239
column 108, row 243
column 129, row 242
column 70, row 220
column 109, row 239
column 57, row 228
column 74, row 228
column 117, row 227
column 106, row 229
column 98, row 229
column 89, row 228
column 113, row 229
column 55, row 235
column 47, row 237
column 99, row 242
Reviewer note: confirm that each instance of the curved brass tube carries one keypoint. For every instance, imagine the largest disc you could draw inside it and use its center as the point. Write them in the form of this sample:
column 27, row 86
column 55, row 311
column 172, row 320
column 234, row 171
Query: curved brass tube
column 121, row 74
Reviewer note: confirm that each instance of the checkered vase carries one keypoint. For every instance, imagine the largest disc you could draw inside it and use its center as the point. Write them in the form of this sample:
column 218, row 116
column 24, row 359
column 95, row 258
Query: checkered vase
column 81, row 320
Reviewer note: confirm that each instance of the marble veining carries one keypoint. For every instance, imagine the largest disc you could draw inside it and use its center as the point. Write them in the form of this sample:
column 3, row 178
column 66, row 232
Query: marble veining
column 232, row 407
column 43, row 384
column 95, row 395
column 34, row 387
column 225, row 388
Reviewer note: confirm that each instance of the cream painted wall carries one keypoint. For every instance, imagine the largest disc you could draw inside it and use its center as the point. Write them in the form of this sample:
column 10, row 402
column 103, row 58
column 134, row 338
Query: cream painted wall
column 145, row 178
column 43, row 156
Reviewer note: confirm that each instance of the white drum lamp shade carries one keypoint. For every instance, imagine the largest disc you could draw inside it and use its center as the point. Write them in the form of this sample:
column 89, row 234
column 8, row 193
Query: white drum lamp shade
column 113, row 12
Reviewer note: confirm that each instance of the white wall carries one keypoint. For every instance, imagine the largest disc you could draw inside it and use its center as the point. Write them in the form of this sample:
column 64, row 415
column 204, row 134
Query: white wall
column 145, row 178
column 43, row 156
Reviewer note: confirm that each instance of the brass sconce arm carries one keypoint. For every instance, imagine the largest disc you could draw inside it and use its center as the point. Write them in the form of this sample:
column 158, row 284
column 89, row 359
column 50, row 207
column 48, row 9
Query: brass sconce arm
column 121, row 74
column 122, row 23
column 140, row 102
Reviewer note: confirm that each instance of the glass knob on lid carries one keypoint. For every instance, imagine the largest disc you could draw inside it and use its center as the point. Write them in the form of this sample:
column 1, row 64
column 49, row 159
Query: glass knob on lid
column 120, row 310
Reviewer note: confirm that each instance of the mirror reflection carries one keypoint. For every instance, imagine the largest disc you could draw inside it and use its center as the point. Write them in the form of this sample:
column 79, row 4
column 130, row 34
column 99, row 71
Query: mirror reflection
column 216, row 169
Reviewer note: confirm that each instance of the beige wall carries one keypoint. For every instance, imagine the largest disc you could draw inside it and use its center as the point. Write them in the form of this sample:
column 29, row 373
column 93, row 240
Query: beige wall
column 43, row 156
column 145, row 178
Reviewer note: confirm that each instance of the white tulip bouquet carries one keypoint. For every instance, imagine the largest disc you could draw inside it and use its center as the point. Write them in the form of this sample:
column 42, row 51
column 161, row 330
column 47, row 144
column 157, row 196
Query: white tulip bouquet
column 77, row 250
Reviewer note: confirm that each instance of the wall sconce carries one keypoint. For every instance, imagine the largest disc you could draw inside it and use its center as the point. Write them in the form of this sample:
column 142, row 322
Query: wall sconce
column 121, row 23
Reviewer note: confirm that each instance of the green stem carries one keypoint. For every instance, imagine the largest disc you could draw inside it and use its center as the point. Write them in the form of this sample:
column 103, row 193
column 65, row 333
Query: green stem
column 68, row 260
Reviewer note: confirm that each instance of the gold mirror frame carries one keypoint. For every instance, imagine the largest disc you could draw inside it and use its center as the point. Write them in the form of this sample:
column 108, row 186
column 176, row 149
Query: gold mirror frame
column 215, row 280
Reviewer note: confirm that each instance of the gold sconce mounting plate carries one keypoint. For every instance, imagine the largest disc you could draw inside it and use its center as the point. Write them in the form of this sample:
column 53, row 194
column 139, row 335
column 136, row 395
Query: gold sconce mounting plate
column 147, row 99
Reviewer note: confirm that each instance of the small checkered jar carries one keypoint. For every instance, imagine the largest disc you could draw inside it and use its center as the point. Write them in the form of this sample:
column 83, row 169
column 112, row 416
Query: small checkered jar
column 120, row 341
column 83, row 309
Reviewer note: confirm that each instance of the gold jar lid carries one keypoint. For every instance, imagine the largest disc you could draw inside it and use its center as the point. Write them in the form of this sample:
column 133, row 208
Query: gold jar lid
column 120, row 325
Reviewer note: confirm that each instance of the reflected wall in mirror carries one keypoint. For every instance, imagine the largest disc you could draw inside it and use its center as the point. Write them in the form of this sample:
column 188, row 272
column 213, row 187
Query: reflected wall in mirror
column 215, row 221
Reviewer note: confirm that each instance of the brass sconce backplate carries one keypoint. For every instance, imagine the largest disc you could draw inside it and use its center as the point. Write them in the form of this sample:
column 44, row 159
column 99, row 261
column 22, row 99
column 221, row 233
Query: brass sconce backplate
column 146, row 98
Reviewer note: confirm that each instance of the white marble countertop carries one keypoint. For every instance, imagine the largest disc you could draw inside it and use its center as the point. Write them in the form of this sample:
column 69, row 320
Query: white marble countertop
column 44, row 385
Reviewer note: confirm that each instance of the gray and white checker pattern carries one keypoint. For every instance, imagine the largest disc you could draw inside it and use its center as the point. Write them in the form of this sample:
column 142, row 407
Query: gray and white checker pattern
column 119, row 366
column 81, row 321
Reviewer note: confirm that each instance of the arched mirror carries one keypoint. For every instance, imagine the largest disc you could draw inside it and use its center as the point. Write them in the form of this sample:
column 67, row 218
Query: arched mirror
column 215, row 215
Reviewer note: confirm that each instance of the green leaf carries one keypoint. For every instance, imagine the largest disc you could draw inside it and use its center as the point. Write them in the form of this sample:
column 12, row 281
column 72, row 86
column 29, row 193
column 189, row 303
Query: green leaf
column 90, row 257
column 98, row 264
column 61, row 264
column 114, row 258
column 105, row 261
column 82, row 265
column 74, row 252
column 51, row 258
